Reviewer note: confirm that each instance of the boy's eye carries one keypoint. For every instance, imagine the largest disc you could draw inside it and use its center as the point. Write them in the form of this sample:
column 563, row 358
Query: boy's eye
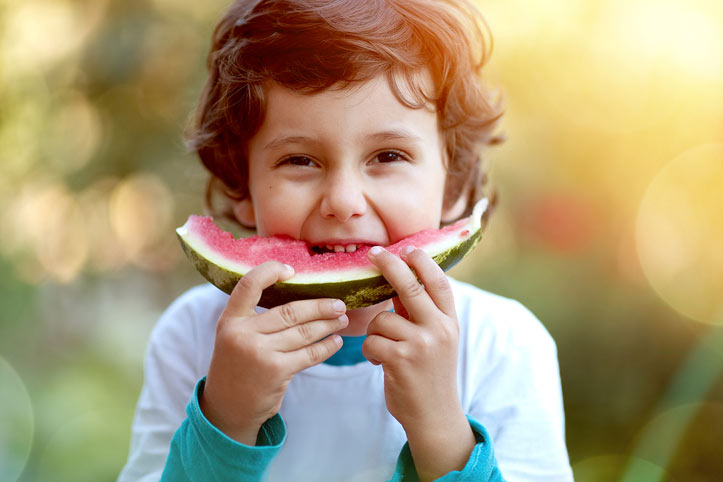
column 389, row 156
column 298, row 161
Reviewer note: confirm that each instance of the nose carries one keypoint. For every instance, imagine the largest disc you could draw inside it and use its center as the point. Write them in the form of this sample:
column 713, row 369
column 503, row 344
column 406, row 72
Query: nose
column 343, row 197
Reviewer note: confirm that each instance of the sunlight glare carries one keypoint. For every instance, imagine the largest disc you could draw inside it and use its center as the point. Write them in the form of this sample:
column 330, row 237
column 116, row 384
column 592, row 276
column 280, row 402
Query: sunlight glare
column 680, row 233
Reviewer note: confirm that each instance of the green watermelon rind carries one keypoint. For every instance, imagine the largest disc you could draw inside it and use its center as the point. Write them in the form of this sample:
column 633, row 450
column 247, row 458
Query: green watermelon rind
column 355, row 293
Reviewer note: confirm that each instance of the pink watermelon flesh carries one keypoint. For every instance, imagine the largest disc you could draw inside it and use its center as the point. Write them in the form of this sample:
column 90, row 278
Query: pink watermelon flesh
column 254, row 250
column 223, row 260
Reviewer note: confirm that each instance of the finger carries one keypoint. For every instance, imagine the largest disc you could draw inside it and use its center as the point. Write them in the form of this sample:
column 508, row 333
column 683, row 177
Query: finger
column 411, row 293
column 313, row 354
column 380, row 349
column 297, row 313
column 247, row 292
column 306, row 333
column 391, row 326
column 433, row 278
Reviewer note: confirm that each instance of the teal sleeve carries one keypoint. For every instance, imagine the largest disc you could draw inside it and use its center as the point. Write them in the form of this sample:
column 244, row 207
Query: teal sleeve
column 201, row 452
column 481, row 465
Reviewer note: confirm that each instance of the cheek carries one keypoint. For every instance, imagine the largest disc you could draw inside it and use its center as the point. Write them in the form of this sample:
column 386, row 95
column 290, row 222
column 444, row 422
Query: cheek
column 276, row 212
column 407, row 214
column 271, row 210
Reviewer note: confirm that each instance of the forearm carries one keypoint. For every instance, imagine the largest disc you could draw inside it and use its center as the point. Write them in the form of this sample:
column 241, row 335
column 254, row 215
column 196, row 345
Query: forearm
column 441, row 447
column 201, row 452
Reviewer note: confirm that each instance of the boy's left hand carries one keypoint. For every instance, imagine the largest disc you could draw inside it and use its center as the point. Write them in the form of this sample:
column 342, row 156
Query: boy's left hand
column 417, row 346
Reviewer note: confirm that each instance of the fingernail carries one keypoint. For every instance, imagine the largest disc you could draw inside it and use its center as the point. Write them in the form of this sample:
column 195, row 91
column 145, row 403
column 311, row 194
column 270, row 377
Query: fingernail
column 406, row 250
column 344, row 319
column 337, row 339
column 289, row 269
column 375, row 250
column 339, row 306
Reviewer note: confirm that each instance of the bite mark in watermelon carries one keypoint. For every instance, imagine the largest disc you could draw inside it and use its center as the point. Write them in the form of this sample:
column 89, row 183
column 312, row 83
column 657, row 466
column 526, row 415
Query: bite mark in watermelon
column 223, row 260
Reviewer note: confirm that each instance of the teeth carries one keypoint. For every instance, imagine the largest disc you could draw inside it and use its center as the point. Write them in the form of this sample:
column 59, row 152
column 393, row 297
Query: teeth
column 338, row 248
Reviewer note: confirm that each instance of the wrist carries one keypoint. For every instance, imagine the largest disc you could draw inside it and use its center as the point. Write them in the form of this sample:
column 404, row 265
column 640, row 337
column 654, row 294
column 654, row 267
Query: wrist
column 245, row 433
column 437, row 418
column 440, row 428
column 441, row 446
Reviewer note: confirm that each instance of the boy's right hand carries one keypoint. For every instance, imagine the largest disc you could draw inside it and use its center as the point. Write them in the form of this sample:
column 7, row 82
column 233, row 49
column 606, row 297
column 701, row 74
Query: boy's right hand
column 256, row 355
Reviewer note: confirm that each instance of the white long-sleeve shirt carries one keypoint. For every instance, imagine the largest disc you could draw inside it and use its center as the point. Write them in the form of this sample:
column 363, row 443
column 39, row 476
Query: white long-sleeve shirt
column 336, row 417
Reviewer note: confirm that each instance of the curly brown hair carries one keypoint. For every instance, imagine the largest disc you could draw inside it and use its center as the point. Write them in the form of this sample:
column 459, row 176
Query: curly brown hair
column 312, row 45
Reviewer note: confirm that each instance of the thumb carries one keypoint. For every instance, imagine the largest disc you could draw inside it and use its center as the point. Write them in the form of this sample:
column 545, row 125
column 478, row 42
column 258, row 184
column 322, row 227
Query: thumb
column 247, row 292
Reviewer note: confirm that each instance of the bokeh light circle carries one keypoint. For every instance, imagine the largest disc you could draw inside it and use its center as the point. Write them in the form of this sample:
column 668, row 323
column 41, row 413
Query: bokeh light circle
column 679, row 233
column 609, row 467
column 106, row 252
column 16, row 423
column 685, row 439
column 73, row 133
column 140, row 212
column 44, row 232
column 86, row 416
column 84, row 434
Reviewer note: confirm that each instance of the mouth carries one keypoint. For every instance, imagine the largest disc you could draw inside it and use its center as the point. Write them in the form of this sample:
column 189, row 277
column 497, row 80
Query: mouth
column 338, row 248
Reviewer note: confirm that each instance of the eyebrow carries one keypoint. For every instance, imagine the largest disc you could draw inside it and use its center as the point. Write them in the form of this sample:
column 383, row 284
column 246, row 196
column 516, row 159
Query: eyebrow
column 395, row 135
column 281, row 141
column 388, row 135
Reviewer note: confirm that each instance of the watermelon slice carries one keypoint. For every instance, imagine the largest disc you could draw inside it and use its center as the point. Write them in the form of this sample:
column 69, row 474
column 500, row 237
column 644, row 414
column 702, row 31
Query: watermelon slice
column 223, row 260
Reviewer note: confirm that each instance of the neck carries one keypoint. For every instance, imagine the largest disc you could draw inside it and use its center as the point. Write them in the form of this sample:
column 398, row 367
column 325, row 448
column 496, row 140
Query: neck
column 360, row 318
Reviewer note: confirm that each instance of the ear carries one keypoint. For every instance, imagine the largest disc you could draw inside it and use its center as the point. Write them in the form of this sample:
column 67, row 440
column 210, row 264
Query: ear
column 243, row 210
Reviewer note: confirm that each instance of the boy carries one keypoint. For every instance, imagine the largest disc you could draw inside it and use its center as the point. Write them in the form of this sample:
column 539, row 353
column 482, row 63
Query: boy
column 348, row 124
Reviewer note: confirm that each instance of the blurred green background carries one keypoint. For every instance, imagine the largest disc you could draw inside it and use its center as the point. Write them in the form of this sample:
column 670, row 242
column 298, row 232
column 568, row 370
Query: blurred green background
column 609, row 226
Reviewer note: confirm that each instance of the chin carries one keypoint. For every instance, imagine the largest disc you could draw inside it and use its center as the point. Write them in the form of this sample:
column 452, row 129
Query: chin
column 360, row 318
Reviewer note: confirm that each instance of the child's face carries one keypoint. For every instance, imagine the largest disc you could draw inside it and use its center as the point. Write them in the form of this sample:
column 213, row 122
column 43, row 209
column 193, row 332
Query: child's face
column 344, row 167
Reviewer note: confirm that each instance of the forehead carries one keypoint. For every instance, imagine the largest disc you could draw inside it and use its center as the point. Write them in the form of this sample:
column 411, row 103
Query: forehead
column 351, row 113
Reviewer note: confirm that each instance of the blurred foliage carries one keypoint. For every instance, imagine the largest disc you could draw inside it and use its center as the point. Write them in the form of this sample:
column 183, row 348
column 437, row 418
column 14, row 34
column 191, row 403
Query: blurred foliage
column 609, row 226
